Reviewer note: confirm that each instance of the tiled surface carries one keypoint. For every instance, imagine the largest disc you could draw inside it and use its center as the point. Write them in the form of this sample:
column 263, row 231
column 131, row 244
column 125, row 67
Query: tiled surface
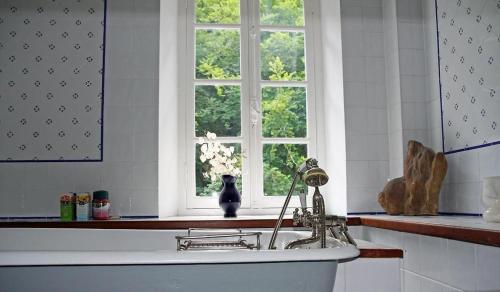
column 378, row 275
column 413, row 104
column 436, row 264
column 462, row 187
column 130, row 128
column 365, row 103
column 61, row 60
column 394, row 112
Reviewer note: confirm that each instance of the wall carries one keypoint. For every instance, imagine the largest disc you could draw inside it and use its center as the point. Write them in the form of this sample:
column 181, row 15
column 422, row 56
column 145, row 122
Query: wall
column 437, row 264
column 365, row 104
column 462, row 187
column 51, row 86
column 382, row 111
column 379, row 274
column 413, row 104
column 393, row 97
column 129, row 170
column 405, row 71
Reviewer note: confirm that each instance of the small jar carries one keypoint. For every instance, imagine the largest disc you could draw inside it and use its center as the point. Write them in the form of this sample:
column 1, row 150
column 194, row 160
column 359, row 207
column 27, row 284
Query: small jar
column 67, row 206
column 83, row 209
column 100, row 205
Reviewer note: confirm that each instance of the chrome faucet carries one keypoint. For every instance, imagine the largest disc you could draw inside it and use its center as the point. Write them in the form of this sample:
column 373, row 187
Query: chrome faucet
column 318, row 221
column 312, row 175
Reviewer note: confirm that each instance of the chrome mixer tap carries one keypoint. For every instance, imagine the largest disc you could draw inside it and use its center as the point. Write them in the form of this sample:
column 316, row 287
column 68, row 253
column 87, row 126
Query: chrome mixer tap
column 318, row 221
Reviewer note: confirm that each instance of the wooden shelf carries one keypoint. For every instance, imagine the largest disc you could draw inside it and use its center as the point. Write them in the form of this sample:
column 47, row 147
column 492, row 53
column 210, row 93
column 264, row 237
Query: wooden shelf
column 403, row 224
column 468, row 234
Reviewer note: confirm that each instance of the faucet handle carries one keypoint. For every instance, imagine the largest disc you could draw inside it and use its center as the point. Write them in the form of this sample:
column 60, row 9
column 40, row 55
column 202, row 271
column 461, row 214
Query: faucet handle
column 302, row 197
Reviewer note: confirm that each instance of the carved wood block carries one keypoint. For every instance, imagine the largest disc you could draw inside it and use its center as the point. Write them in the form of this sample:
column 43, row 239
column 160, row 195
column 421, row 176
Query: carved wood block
column 417, row 192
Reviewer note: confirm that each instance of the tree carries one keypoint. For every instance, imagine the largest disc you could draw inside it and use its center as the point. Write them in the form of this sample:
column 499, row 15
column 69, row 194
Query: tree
column 284, row 108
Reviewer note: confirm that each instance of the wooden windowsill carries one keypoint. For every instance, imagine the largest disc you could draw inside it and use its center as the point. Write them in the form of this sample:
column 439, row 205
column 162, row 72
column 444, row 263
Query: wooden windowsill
column 462, row 228
column 468, row 229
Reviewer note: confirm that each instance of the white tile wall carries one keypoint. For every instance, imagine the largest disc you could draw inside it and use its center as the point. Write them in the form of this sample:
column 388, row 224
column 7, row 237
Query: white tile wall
column 365, row 103
column 413, row 103
column 383, row 111
column 392, row 76
column 437, row 264
column 129, row 170
column 375, row 275
column 466, row 170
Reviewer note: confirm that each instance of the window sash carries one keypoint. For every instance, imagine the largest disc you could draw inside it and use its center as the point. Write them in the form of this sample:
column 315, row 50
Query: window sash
column 251, row 84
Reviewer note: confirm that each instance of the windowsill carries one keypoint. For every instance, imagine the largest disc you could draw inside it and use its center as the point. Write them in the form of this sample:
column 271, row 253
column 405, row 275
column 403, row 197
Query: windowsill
column 462, row 228
column 176, row 222
column 471, row 229
column 367, row 249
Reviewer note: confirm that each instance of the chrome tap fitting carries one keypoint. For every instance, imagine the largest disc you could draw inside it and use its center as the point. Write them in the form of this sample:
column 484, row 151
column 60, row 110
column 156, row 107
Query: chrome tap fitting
column 313, row 176
column 318, row 221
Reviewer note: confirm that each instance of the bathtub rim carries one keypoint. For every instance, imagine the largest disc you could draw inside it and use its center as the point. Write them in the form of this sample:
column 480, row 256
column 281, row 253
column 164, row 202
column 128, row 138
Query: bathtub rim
column 41, row 257
column 169, row 257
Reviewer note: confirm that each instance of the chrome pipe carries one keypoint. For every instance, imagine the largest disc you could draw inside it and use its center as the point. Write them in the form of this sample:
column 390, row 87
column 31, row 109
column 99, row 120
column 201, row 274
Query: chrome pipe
column 283, row 211
column 319, row 211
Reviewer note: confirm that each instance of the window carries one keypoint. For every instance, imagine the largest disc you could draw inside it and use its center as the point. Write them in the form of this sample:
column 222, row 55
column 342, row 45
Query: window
column 249, row 78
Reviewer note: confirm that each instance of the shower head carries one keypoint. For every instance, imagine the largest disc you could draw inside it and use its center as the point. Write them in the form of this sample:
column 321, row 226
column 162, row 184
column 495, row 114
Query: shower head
column 315, row 177
column 312, row 174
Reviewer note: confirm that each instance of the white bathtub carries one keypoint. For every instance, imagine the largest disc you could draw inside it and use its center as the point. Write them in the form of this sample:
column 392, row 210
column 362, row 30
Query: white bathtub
column 147, row 260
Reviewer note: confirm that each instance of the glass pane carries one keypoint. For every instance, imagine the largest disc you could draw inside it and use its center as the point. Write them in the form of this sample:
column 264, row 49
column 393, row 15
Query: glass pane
column 280, row 163
column 205, row 186
column 282, row 56
column 218, row 11
column 284, row 112
column 217, row 54
column 282, row 12
column 218, row 110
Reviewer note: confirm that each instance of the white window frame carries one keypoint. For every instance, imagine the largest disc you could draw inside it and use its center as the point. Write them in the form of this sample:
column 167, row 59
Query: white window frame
column 253, row 199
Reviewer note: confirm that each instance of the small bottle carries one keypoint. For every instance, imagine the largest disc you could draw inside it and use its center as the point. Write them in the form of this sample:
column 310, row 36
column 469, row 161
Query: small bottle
column 67, row 206
column 83, row 209
column 100, row 205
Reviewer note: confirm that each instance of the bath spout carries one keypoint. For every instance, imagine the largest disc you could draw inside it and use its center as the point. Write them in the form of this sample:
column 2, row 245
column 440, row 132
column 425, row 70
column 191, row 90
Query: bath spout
column 313, row 176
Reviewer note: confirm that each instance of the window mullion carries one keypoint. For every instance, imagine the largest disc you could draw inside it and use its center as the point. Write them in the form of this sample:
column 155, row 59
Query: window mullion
column 310, row 52
column 255, row 101
column 246, row 93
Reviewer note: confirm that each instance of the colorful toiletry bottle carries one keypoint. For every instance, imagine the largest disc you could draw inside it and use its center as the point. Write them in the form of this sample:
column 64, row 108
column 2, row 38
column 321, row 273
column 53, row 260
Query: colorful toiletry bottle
column 83, row 209
column 100, row 205
column 67, row 203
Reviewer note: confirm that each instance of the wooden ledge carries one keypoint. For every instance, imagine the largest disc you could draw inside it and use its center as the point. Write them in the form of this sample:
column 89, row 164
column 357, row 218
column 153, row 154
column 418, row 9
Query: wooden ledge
column 369, row 249
column 468, row 234
column 366, row 250
column 168, row 223
column 148, row 224
column 377, row 253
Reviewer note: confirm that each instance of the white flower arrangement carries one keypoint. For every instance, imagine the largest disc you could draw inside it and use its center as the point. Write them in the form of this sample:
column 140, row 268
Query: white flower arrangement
column 220, row 158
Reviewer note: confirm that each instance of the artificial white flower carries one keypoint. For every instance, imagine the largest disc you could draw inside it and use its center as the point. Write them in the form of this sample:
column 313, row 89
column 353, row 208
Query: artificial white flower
column 211, row 135
column 219, row 157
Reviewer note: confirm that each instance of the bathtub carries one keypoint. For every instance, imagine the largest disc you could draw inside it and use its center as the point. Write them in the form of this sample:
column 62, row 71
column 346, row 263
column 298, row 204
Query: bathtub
column 147, row 260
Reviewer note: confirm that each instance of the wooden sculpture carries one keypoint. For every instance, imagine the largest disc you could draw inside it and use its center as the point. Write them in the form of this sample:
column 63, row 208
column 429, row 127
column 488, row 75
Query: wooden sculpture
column 417, row 192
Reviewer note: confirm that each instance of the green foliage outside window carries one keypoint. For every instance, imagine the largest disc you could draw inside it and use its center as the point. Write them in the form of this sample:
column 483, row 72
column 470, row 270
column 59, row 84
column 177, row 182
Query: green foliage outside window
column 218, row 11
column 284, row 108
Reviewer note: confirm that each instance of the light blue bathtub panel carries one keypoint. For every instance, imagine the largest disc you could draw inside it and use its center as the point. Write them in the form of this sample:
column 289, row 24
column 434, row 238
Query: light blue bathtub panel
column 253, row 277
